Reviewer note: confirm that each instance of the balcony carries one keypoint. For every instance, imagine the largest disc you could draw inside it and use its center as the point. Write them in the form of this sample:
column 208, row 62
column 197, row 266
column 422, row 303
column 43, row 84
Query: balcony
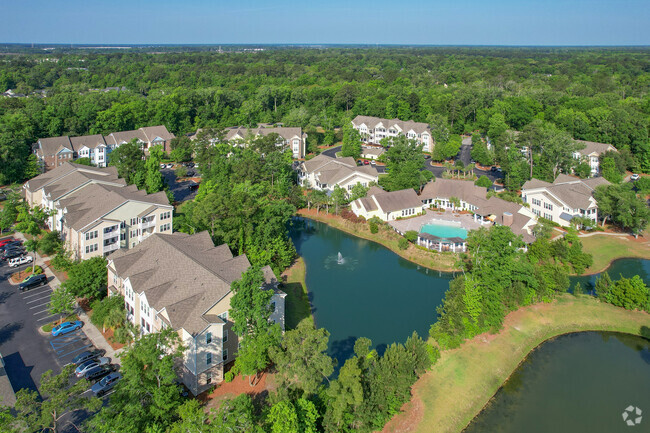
column 111, row 247
column 147, row 224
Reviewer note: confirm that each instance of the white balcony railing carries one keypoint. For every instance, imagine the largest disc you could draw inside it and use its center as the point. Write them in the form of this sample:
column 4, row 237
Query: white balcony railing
column 111, row 247
column 147, row 224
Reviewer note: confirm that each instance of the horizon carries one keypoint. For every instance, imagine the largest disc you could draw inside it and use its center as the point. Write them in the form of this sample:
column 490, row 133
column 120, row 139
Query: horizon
column 589, row 23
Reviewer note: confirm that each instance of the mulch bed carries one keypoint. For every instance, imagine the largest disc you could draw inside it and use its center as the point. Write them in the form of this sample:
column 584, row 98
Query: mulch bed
column 61, row 275
column 239, row 385
column 18, row 277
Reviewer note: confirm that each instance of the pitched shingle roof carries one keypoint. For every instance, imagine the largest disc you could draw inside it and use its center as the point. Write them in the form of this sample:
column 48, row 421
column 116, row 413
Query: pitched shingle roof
column 574, row 192
column 592, row 147
column 90, row 141
column 405, row 126
column 51, row 145
column 447, row 188
column 285, row 132
column 68, row 174
column 397, row 200
column 183, row 274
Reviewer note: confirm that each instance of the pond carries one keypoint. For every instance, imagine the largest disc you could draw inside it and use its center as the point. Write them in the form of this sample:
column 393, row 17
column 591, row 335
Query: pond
column 372, row 293
column 579, row 382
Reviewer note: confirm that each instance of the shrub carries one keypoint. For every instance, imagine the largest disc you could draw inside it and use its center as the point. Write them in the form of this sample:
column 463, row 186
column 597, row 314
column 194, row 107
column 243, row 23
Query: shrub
column 347, row 214
column 411, row 236
column 483, row 181
column 374, row 228
column 228, row 377
column 403, row 243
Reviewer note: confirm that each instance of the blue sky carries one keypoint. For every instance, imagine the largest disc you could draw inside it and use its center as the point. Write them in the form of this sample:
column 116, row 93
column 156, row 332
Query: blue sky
column 435, row 22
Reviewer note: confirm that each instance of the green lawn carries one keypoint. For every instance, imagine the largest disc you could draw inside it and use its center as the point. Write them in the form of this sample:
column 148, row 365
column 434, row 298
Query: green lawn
column 297, row 306
column 464, row 379
column 606, row 248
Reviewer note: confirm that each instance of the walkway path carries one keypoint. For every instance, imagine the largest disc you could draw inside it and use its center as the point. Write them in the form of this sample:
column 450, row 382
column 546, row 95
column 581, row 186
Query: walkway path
column 91, row 331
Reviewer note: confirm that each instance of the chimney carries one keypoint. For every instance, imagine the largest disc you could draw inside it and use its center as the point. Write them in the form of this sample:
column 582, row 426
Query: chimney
column 507, row 219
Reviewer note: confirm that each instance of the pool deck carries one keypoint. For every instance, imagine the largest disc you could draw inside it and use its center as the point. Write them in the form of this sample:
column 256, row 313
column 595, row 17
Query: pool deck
column 431, row 217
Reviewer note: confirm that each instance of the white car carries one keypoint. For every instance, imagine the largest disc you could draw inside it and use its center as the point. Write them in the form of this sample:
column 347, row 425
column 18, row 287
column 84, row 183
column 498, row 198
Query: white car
column 163, row 166
column 17, row 261
column 634, row 177
column 170, row 165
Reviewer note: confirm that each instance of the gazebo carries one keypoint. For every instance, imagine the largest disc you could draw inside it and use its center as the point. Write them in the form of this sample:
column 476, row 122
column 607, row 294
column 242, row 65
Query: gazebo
column 432, row 242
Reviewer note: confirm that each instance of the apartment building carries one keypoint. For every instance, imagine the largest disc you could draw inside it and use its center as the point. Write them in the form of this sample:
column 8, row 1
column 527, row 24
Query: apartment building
column 374, row 129
column 565, row 198
column 324, row 173
column 388, row 206
column 95, row 211
column 53, row 152
column 591, row 154
column 182, row 282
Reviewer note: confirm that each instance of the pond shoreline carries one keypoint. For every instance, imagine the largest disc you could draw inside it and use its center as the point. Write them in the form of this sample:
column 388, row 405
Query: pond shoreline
column 443, row 262
column 457, row 388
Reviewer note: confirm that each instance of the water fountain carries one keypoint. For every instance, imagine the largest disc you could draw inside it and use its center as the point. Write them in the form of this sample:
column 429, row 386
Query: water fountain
column 340, row 260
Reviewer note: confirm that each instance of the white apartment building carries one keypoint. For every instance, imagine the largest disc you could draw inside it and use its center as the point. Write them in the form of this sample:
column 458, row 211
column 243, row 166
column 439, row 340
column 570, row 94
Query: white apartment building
column 374, row 129
column 182, row 282
column 95, row 211
column 565, row 198
column 591, row 154
column 324, row 173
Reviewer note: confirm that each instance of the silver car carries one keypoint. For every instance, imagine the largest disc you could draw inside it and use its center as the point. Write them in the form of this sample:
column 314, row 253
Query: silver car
column 83, row 368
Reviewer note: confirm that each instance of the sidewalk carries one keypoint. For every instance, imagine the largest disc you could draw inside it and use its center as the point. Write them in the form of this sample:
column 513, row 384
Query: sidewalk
column 91, row 331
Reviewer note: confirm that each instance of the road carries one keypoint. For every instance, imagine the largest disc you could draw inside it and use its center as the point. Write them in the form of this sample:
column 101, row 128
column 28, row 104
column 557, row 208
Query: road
column 331, row 151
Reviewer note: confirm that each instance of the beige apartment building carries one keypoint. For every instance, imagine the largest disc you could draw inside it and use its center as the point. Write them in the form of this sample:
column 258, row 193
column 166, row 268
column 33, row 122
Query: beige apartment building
column 374, row 129
column 183, row 281
column 95, row 211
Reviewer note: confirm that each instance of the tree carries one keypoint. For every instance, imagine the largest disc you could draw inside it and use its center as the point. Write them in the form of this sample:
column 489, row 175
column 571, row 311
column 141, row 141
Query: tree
column 629, row 293
column 153, row 177
column 358, row 191
column 88, row 278
column 351, row 145
column 33, row 168
column 623, row 206
column 181, row 149
column 60, row 398
column 609, row 170
column 483, row 181
column 62, row 302
column 51, row 243
column 250, row 311
column 128, row 159
column 147, row 395
column 10, row 210
column 108, row 312
column 481, row 154
column 447, row 150
column 301, row 359
column 338, row 198
column 603, row 286
column 30, row 222
column 345, row 395
column 83, row 161
column 405, row 164
column 289, row 417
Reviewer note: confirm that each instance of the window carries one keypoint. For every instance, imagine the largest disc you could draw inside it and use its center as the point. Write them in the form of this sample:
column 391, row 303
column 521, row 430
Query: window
column 224, row 316
column 208, row 338
column 225, row 335
column 164, row 227
column 165, row 215
column 208, row 378
column 225, row 354
column 548, row 206
column 91, row 248
column 91, row 235
column 548, row 216
column 208, row 358
column 537, row 202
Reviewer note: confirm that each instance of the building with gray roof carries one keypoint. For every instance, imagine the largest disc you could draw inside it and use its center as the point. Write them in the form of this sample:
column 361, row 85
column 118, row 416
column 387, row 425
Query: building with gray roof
column 325, row 173
column 182, row 282
column 374, row 129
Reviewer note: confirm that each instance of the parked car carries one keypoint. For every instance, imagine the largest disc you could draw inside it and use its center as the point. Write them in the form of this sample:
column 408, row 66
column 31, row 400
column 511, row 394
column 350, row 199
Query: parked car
column 163, row 166
column 4, row 242
column 170, row 165
column 12, row 254
column 359, row 162
column 87, row 355
column 190, row 174
column 373, row 162
column 366, row 162
column 98, row 372
column 33, row 281
column 12, row 244
column 106, row 384
column 17, row 261
column 427, row 156
column 66, row 327
column 634, row 177
column 86, row 366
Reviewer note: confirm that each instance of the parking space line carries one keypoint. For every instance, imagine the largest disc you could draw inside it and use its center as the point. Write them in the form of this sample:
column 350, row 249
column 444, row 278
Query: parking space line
column 42, row 311
column 63, row 343
column 38, row 299
column 76, row 350
column 34, row 294
column 46, row 317
column 39, row 305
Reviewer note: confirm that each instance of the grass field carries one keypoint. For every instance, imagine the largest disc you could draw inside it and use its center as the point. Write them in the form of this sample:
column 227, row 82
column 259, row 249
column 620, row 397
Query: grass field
column 465, row 379
column 297, row 306
column 388, row 238
column 605, row 249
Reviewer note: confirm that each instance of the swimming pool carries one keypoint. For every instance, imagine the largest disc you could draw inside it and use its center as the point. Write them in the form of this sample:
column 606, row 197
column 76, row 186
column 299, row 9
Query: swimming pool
column 444, row 231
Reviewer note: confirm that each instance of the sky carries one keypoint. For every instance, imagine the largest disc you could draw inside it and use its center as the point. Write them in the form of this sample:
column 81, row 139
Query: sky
column 416, row 22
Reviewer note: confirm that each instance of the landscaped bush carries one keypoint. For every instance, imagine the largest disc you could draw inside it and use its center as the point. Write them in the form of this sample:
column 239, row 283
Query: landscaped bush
column 411, row 236
column 347, row 214
column 228, row 377
column 483, row 181
column 403, row 243
column 374, row 228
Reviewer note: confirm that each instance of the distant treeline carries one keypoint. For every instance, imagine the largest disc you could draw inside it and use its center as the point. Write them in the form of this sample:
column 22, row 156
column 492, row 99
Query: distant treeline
column 594, row 94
